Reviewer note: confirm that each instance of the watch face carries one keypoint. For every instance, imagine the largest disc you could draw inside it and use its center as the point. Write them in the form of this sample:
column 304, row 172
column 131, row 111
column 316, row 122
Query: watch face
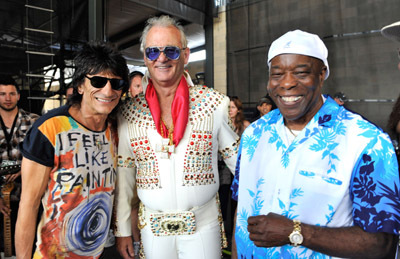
column 296, row 238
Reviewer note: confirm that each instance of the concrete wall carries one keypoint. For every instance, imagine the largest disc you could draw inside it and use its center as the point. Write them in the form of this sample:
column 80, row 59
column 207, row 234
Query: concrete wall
column 220, row 57
column 363, row 64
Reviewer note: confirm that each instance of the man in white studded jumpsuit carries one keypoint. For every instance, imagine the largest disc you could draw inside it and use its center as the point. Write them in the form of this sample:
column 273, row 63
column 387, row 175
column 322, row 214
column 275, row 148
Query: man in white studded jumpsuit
column 169, row 139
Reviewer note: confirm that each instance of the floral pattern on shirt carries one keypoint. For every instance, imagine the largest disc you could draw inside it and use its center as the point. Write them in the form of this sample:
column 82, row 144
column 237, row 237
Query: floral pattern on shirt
column 358, row 177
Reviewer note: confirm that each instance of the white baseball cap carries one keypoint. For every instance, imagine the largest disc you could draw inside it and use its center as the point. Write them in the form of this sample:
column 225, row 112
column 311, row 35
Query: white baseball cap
column 392, row 31
column 302, row 43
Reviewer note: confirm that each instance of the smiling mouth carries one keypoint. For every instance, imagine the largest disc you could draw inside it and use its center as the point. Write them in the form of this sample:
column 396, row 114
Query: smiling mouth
column 290, row 99
column 163, row 67
column 105, row 100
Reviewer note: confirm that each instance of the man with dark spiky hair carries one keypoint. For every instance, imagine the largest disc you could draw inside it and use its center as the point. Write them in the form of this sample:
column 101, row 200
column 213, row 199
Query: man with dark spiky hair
column 70, row 160
column 15, row 123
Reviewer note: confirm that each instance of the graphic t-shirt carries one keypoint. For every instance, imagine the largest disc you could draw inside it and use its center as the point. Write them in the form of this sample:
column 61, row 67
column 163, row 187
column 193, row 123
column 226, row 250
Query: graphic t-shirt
column 79, row 197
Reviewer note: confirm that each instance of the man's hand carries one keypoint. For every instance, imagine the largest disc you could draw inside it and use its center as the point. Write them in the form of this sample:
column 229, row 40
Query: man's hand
column 125, row 247
column 269, row 230
column 273, row 230
column 11, row 177
column 4, row 209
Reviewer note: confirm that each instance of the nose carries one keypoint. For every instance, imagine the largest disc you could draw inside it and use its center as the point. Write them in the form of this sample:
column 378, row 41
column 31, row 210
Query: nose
column 288, row 81
column 162, row 57
column 107, row 89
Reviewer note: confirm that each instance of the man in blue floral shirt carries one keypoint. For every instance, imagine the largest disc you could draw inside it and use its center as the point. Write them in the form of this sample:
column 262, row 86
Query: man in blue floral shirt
column 313, row 180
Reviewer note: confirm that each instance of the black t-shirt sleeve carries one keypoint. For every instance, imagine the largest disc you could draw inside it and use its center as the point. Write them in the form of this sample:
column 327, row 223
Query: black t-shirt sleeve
column 39, row 143
column 37, row 147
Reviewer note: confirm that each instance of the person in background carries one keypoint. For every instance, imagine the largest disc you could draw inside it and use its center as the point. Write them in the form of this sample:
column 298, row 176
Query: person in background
column 340, row 98
column 169, row 140
column 70, row 163
column 69, row 91
column 236, row 114
column 313, row 179
column 265, row 105
column 135, row 86
column 392, row 32
column 15, row 123
column 228, row 205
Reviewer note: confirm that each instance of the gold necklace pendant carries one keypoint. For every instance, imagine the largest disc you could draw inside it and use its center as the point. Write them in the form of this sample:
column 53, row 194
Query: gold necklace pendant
column 170, row 132
column 167, row 146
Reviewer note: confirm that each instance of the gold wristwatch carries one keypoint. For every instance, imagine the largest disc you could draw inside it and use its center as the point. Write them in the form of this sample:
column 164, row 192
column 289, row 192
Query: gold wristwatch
column 296, row 238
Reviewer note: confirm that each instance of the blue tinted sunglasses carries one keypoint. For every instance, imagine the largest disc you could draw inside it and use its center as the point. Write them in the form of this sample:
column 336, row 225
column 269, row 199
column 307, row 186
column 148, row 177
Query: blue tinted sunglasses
column 100, row 82
column 171, row 52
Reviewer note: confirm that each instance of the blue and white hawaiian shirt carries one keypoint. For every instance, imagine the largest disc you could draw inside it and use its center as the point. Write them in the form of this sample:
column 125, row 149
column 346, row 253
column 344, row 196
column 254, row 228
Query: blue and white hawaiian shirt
column 341, row 170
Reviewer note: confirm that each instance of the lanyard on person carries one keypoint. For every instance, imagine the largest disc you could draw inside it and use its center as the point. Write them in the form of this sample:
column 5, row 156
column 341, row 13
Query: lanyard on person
column 7, row 135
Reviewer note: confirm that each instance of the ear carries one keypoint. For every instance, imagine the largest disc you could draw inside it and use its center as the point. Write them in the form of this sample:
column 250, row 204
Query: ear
column 323, row 73
column 144, row 58
column 268, row 90
column 186, row 54
column 80, row 91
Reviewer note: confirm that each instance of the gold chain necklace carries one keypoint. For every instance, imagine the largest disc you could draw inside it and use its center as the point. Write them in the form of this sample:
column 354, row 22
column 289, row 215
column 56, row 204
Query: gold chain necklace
column 170, row 132
column 291, row 132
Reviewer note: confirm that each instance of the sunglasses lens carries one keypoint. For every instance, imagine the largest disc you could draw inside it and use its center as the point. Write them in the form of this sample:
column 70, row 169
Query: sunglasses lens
column 152, row 53
column 117, row 84
column 98, row 82
column 172, row 52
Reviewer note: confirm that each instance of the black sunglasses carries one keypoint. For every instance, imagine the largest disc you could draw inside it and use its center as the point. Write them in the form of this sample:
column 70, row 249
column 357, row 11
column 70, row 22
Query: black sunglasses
column 100, row 82
column 171, row 52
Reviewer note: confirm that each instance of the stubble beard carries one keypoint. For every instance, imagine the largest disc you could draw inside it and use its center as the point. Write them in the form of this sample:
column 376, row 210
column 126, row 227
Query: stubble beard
column 8, row 109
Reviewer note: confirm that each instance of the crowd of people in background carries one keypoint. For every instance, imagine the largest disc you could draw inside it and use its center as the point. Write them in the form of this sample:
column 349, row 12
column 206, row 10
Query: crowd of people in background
column 177, row 170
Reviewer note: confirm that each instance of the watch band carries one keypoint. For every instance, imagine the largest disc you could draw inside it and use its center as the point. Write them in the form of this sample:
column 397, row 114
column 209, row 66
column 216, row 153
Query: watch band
column 296, row 238
column 297, row 225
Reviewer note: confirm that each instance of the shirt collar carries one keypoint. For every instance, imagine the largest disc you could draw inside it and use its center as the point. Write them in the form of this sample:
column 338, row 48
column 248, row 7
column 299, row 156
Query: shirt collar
column 325, row 117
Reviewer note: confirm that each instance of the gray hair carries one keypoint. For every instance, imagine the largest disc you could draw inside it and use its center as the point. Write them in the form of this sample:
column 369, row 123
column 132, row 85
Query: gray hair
column 162, row 21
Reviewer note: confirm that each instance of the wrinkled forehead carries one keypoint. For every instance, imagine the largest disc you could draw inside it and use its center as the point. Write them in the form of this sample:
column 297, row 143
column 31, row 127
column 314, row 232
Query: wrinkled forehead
column 159, row 36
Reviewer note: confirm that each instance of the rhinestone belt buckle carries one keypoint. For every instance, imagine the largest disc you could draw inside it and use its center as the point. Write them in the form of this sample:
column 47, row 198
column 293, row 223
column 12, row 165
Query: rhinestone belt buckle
column 168, row 224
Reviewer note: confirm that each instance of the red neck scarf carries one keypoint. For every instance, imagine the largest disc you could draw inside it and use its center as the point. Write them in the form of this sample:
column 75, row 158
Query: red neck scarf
column 179, row 109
